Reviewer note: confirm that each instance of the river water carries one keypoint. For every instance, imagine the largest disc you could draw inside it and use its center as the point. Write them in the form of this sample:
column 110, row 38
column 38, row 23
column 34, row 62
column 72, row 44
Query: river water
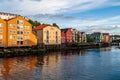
column 88, row 64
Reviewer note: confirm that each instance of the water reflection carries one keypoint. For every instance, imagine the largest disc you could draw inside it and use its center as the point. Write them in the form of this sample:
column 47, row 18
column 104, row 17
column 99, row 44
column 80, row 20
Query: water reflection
column 89, row 64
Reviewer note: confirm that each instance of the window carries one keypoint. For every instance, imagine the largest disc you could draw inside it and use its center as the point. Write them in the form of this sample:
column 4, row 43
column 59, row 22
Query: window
column 19, row 21
column 47, row 36
column 11, row 31
column 28, row 32
column 0, row 42
column 26, row 37
column 56, row 33
column 28, row 27
column 14, row 42
column 20, row 27
column 56, row 39
column 14, row 26
column 11, row 26
column 0, row 25
column 14, row 37
column 47, row 41
column 10, row 36
column 20, row 37
column 19, row 32
column 19, row 42
column 1, row 36
column 14, row 32
column 1, row 30
column 24, row 32
column 25, row 42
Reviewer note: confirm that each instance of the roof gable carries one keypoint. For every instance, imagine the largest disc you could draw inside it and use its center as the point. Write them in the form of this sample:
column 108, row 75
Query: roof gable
column 41, row 26
column 65, row 30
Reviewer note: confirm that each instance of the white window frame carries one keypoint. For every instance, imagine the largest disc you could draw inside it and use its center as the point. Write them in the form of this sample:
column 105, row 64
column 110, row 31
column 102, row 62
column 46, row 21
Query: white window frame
column 10, row 36
column 11, row 26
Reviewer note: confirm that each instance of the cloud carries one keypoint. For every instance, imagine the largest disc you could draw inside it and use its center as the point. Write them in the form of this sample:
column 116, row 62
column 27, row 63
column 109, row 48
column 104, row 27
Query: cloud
column 95, row 25
column 58, row 11
column 36, row 0
column 28, row 7
column 53, row 16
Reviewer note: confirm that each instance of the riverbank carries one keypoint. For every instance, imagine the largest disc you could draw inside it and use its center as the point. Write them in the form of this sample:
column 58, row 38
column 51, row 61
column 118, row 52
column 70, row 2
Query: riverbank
column 24, row 51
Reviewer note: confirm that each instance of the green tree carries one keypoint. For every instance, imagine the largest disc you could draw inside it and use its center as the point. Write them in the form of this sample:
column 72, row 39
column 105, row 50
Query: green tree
column 55, row 25
column 78, row 38
column 90, row 39
column 34, row 23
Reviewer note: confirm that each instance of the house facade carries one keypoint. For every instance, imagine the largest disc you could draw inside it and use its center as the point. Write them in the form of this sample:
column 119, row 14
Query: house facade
column 106, row 37
column 75, row 35
column 18, row 33
column 68, row 35
column 48, row 35
column 3, row 33
column 82, row 38
column 62, row 37
column 98, row 37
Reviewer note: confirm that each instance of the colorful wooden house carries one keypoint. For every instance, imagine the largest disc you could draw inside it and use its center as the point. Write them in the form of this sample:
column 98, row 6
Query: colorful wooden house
column 3, row 33
column 106, row 37
column 68, row 35
column 48, row 35
column 16, row 32
column 97, row 36
column 75, row 35
column 62, row 37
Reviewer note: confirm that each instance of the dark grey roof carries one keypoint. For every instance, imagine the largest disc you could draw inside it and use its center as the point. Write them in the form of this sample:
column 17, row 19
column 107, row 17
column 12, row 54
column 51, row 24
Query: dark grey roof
column 65, row 29
column 105, row 33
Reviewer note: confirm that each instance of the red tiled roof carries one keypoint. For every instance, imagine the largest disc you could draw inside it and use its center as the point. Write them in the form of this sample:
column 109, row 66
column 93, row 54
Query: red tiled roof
column 40, row 26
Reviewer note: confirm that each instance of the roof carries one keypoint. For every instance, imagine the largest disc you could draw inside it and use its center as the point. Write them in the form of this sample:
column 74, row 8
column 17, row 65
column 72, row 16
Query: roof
column 65, row 30
column 105, row 33
column 41, row 26
column 8, row 15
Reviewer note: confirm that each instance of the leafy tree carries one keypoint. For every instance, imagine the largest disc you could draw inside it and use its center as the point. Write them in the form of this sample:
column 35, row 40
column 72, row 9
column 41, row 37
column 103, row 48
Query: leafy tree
column 78, row 38
column 34, row 23
column 55, row 25
column 89, row 39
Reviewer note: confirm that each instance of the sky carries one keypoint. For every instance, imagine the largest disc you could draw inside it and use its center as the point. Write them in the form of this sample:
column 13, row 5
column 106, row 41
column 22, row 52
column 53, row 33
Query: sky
column 84, row 15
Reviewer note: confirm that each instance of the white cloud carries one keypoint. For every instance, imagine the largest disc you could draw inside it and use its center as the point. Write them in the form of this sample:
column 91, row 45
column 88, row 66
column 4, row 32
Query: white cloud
column 101, row 25
column 53, row 6
column 58, row 7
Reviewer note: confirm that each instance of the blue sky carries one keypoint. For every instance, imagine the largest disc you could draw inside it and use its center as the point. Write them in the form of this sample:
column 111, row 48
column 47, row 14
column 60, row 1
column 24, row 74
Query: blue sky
column 84, row 15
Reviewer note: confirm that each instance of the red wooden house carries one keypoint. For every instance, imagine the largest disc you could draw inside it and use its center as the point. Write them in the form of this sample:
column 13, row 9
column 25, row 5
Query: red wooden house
column 106, row 37
column 62, row 37
column 68, row 35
